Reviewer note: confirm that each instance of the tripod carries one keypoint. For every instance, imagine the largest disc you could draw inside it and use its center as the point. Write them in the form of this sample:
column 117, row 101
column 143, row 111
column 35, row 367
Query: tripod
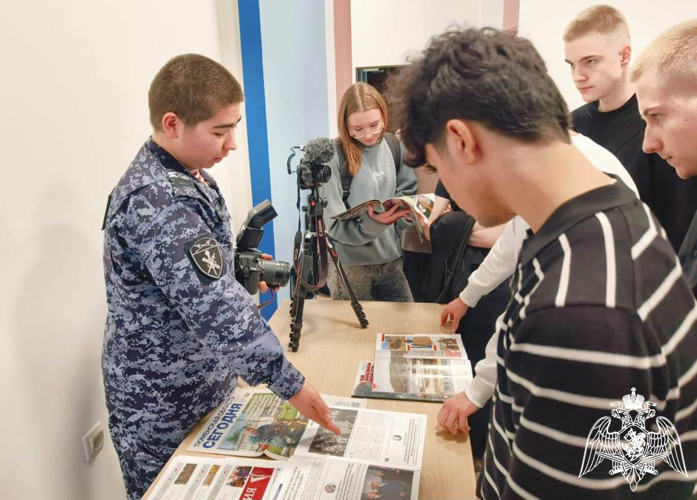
column 316, row 245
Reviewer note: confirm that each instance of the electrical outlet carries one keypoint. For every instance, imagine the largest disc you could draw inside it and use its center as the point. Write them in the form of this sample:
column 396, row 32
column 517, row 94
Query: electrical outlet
column 93, row 441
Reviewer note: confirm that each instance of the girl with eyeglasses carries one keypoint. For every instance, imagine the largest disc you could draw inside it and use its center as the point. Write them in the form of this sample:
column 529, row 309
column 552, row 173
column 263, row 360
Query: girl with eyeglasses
column 369, row 248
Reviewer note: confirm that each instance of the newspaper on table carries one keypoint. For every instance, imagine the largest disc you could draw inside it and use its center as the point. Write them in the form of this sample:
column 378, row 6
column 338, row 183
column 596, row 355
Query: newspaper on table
column 419, row 206
column 420, row 367
column 379, row 454
column 321, row 479
column 205, row 478
column 256, row 422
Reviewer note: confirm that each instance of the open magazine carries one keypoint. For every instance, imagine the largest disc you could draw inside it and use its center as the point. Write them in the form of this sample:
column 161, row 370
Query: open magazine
column 419, row 367
column 420, row 206
column 256, row 422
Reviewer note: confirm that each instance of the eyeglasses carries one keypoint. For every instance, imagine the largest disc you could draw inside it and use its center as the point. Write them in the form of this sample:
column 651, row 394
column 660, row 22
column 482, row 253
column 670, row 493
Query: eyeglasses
column 371, row 131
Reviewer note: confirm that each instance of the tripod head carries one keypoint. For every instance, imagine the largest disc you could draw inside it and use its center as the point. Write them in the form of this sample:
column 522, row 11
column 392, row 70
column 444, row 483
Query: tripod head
column 313, row 170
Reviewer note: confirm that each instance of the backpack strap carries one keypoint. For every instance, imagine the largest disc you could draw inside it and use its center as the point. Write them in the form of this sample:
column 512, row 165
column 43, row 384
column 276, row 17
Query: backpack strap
column 395, row 149
column 344, row 173
column 346, row 177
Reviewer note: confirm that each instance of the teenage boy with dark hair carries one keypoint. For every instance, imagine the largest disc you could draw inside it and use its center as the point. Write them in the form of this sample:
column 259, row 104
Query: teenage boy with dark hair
column 599, row 305
column 180, row 329
column 598, row 50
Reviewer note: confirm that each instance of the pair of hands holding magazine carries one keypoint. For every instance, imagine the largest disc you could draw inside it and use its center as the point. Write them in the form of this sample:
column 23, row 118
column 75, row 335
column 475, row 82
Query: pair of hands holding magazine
column 389, row 216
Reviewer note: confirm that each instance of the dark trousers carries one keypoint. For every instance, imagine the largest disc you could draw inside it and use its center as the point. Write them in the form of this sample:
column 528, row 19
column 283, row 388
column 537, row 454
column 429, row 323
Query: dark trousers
column 416, row 269
column 476, row 328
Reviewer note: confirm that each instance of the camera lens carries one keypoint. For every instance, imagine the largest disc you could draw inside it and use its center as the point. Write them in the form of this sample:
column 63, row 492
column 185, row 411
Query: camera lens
column 274, row 272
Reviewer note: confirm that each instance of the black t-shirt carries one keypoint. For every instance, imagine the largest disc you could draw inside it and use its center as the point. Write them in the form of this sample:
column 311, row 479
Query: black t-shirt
column 688, row 256
column 621, row 131
column 443, row 193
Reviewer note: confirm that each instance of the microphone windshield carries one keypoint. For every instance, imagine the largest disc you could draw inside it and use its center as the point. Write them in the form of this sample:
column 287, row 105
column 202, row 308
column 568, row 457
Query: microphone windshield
column 319, row 150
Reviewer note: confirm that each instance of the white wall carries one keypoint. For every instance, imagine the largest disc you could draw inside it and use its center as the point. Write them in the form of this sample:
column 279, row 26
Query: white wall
column 332, row 102
column 385, row 32
column 74, row 112
column 544, row 21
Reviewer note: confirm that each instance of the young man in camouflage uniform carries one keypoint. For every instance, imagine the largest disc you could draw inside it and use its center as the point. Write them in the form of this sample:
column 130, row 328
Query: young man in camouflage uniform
column 180, row 328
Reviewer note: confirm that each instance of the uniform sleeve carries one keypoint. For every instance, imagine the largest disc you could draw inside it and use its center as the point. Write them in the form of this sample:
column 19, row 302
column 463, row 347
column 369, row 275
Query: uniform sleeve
column 564, row 370
column 219, row 311
column 349, row 232
column 498, row 265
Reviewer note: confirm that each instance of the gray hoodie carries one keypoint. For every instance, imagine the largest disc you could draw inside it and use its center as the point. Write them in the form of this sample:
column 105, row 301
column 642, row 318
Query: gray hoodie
column 365, row 241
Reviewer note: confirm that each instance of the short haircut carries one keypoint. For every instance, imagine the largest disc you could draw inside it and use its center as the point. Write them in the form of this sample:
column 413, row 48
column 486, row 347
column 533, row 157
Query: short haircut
column 601, row 19
column 193, row 87
column 673, row 52
column 484, row 75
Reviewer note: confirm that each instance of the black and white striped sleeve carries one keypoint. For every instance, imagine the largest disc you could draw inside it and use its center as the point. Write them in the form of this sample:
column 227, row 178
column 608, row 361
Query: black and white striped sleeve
column 564, row 370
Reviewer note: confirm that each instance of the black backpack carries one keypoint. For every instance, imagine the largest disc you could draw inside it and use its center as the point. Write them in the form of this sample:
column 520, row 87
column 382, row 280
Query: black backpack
column 346, row 177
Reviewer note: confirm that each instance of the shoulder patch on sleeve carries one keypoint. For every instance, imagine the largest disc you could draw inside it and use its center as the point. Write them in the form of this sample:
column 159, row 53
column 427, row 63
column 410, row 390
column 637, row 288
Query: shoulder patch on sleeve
column 183, row 185
column 207, row 256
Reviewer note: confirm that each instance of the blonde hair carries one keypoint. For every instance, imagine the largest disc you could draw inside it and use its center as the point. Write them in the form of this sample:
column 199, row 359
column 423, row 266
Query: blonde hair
column 673, row 52
column 358, row 97
column 601, row 19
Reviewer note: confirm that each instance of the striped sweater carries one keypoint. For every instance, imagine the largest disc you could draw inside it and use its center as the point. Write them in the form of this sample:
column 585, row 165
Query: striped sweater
column 599, row 306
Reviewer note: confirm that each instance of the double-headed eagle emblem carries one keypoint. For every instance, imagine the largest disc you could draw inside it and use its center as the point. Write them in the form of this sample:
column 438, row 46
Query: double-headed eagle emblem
column 633, row 450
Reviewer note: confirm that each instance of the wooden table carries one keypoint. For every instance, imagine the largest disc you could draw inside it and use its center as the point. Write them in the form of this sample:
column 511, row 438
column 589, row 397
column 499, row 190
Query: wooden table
column 332, row 344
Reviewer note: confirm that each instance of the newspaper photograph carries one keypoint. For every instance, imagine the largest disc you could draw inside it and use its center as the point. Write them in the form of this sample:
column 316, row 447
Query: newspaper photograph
column 321, row 479
column 370, row 437
column 256, row 422
column 204, row 478
column 414, row 379
column 419, row 367
column 421, row 345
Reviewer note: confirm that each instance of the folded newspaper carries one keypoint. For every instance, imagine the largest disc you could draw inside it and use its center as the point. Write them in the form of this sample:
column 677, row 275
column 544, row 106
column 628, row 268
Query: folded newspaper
column 419, row 206
column 256, row 422
column 379, row 454
column 419, row 367
column 301, row 478
column 199, row 478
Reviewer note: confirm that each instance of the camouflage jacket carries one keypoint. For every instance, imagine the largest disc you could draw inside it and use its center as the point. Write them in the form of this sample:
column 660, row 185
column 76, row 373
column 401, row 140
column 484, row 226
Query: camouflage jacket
column 179, row 327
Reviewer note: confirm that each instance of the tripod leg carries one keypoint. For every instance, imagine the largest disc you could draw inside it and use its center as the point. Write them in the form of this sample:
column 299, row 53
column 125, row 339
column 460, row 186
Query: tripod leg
column 297, row 322
column 357, row 308
column 300, row 293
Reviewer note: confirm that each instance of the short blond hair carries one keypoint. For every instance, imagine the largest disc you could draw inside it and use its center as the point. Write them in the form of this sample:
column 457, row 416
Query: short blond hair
column 601, row 19
column 673, row 52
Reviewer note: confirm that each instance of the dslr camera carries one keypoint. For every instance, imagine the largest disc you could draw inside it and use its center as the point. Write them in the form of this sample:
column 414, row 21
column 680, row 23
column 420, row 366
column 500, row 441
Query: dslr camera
column 250, row 267
column 312, row 169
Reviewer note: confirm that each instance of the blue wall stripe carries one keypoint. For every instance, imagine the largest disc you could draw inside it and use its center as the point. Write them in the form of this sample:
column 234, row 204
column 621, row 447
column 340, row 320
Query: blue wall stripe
column 255, row 105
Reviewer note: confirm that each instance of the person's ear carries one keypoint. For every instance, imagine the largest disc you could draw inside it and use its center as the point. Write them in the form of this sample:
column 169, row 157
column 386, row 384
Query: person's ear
column 171, row 125
column 460, row 136
column 625, row 55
